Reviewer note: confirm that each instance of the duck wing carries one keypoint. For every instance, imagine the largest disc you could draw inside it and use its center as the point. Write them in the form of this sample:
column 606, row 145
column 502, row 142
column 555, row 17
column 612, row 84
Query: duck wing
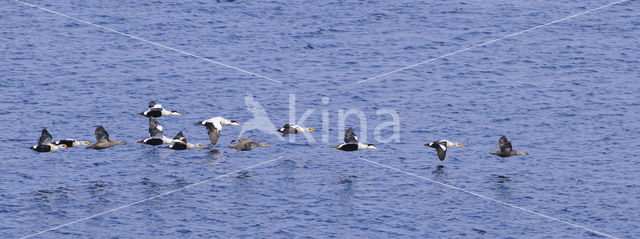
column 441, row 148
column 241, row 143
column 180, row 137
column 152, row 104
column 214, row 132
column 101, row 134
column 45, row 138
column 243, row 140
column 350, row 137
column 155, row 129
column 505, row 145
column 157, row 107
column 285, row 129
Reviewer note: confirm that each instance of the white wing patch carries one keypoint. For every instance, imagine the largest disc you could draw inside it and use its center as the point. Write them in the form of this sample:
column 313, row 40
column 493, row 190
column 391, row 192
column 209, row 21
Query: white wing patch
column 444, row 148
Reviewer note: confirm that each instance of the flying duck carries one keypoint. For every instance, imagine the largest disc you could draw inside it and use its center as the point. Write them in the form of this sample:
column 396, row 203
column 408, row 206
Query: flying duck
column 292, row 129
column 441, row 147
column 214, row 125
column 351, row 143
column 246, row 144
column 69, row 142
column 44, row 143
column 505, row 149
column 182, row 144
column 156, row 136
column 156, row 110
column 102, row 139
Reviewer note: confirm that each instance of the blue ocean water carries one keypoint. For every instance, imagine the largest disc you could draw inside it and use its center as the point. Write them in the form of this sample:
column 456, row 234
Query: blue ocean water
column 566, row 93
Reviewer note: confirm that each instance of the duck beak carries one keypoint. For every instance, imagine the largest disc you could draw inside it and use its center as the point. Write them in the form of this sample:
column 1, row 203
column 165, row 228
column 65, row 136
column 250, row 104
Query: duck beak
column 86, row 143
column 335, row 147
column 376, row 148
column 311, row 129
column 179, row 114
column 460, row 144
column 64, row 146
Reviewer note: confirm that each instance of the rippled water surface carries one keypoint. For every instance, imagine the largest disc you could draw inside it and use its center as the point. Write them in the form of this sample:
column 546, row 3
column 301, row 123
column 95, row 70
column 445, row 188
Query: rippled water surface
column 566, row 93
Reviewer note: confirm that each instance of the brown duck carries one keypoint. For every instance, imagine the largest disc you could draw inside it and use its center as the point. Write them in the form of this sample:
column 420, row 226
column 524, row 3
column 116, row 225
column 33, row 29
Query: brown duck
column 505, row 149
column 102, row 139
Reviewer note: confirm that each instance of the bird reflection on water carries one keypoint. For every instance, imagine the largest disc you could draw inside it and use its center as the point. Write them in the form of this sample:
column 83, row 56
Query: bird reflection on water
column 501, row 186
column 440, row 172
column 216, row 157
column 215, row 153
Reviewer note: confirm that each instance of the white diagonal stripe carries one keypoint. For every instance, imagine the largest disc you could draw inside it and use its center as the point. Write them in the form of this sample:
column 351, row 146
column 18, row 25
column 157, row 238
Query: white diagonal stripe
column 146, row 199
column 488, row 198
column 149, row 41
column 492, row 41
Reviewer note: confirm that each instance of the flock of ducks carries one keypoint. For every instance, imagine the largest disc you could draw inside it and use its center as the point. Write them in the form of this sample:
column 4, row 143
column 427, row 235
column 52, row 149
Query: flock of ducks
column 214, row 126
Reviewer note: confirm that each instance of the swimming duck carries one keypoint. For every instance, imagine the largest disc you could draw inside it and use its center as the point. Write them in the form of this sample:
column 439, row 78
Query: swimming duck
column 246, row 144
column 102, row 139
column 156, row 110
column 351, row 143
column 214, row 125
column 182, row 144
column 69, row 142
column 44, row 143
column 156, row 136
column 505, row 149
column 293, row 129
column 441, row 147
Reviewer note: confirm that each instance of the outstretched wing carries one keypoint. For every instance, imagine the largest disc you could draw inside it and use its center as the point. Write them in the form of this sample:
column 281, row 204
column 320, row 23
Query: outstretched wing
column 350, row 137
column 505, row 145
column 214, row 133
column 285, row 129
column 243, row 140
column 45, row 138
column 101, row 134
column 180, row 137
column 441, row 148
column 242, row 144
column 155, row 129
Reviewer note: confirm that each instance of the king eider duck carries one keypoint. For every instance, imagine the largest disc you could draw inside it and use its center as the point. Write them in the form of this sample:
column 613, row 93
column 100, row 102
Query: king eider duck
column 246, row 144
column 214, row 125
column 441, row 147
column 156, row 136
column 182, row 144
column 293, row 129
column 102, row 139
column 505, row 149
column 44, row 143
column 156, row 110
column 69, row 142
column 351, row 143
